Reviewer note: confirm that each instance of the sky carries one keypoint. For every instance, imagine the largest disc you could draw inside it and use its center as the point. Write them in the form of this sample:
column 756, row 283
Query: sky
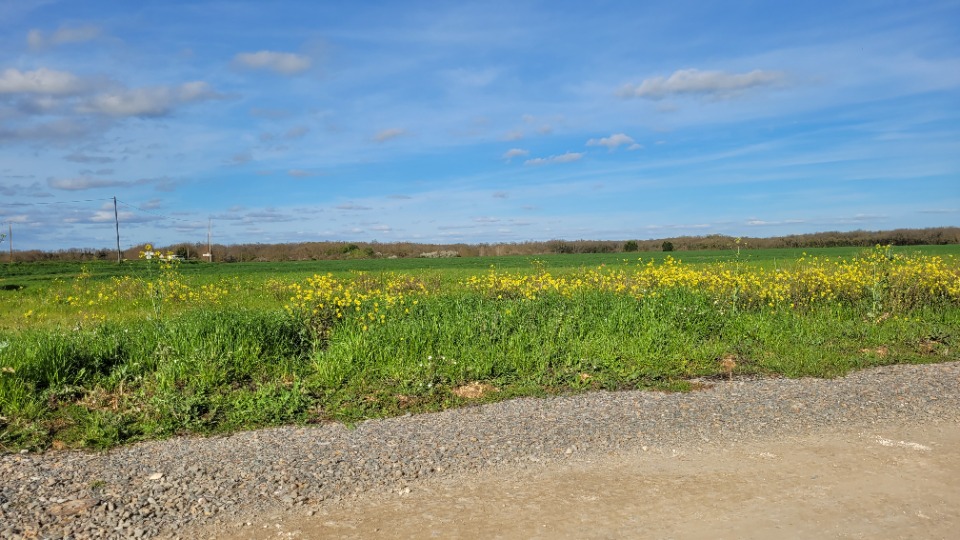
column 477, row 122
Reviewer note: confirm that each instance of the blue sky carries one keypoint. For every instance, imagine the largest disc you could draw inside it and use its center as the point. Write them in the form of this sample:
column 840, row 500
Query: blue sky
column 474, row 122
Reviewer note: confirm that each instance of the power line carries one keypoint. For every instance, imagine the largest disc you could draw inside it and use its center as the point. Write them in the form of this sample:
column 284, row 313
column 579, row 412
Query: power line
column 51, row 202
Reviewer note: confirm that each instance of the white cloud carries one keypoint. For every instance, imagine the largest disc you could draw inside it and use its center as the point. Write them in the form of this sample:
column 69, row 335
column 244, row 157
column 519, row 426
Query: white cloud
column 754, row 222
column 41, row 81
column 278, row 62
column 62, row 36
column 104, row 216
column 515, row 152
column 82, row 183
column 562, row 158
column 696, row 82
column 352, row 206
column 300, row 173
column 388, row 134
column 614, row 141
column 267, row 215
column 147, row 102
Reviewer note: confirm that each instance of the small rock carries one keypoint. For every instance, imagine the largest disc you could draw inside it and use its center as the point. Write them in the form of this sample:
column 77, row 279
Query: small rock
column 155, row 476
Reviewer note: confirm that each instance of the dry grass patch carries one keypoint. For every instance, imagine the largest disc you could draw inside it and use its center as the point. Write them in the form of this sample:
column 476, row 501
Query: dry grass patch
column 474, row 390
column 881, row 351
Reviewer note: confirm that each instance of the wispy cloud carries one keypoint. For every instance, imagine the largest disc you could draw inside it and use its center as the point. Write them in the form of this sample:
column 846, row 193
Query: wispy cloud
column 77, row 157
column 514, row 153
column 301, row 173
column 292, row 134
column 284, row 63
column 32, row 190
column 614, row 141
column 149, row 102
column 705, row 83
column 240, row 158
column 59, row 130
column 352, row 206
column 764, row 223
column 36, row 39
column 562, row 158
column 82, row 183
column 388, row 134
column 268, row 215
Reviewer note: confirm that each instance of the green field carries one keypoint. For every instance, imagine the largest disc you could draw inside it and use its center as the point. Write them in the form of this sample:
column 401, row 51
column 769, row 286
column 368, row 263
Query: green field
column 37, row 273
column 98, row 354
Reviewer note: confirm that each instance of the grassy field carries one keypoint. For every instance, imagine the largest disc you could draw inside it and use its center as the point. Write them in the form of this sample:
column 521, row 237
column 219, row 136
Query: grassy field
column 102, row 354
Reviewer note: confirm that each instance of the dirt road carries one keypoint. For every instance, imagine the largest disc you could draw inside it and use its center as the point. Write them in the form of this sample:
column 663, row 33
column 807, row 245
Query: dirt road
column 885, row 481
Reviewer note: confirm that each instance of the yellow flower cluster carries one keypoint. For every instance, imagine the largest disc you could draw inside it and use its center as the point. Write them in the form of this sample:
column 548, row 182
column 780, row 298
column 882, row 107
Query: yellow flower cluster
column 168, row 286
column 885, row 281
column 323, row 298
column 906, row 281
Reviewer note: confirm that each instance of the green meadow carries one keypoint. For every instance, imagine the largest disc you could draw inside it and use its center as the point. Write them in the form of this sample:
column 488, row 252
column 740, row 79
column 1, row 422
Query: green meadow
column 99, row 354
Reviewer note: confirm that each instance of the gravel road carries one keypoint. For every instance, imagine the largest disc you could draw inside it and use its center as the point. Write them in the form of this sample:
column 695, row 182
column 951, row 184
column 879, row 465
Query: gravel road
column 170, row 488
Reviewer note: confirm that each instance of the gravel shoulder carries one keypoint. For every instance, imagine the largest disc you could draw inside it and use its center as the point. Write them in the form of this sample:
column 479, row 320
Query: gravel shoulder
column 889, row 481
column 526, row 457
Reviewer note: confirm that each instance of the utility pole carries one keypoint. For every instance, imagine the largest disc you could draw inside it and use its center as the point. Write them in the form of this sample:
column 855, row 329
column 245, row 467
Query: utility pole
column 209, row 246
column 116, row 222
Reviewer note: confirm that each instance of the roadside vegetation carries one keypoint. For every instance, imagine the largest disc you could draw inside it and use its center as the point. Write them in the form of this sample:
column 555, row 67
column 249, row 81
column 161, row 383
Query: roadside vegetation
column 97, row 355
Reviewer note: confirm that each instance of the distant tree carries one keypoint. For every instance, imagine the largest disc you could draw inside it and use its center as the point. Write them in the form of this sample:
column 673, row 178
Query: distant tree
column 667, row 245
column 630, row 246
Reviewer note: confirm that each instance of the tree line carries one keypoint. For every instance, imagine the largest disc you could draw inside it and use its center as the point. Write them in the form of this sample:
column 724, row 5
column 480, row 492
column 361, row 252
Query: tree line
column 304, row 251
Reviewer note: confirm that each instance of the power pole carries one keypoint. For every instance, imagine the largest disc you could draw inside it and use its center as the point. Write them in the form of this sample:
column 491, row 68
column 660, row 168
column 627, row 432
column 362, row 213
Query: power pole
column 116, row 222
column 209, row 246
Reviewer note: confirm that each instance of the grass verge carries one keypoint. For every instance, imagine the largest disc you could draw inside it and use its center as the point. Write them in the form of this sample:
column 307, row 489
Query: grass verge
column 373, row 346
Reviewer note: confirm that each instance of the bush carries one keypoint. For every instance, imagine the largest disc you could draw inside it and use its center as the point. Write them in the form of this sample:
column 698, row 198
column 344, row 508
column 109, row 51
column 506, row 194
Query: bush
column 667, row 246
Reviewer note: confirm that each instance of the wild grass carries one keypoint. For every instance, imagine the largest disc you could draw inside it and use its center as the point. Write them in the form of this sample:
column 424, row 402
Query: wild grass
column 94, row 361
